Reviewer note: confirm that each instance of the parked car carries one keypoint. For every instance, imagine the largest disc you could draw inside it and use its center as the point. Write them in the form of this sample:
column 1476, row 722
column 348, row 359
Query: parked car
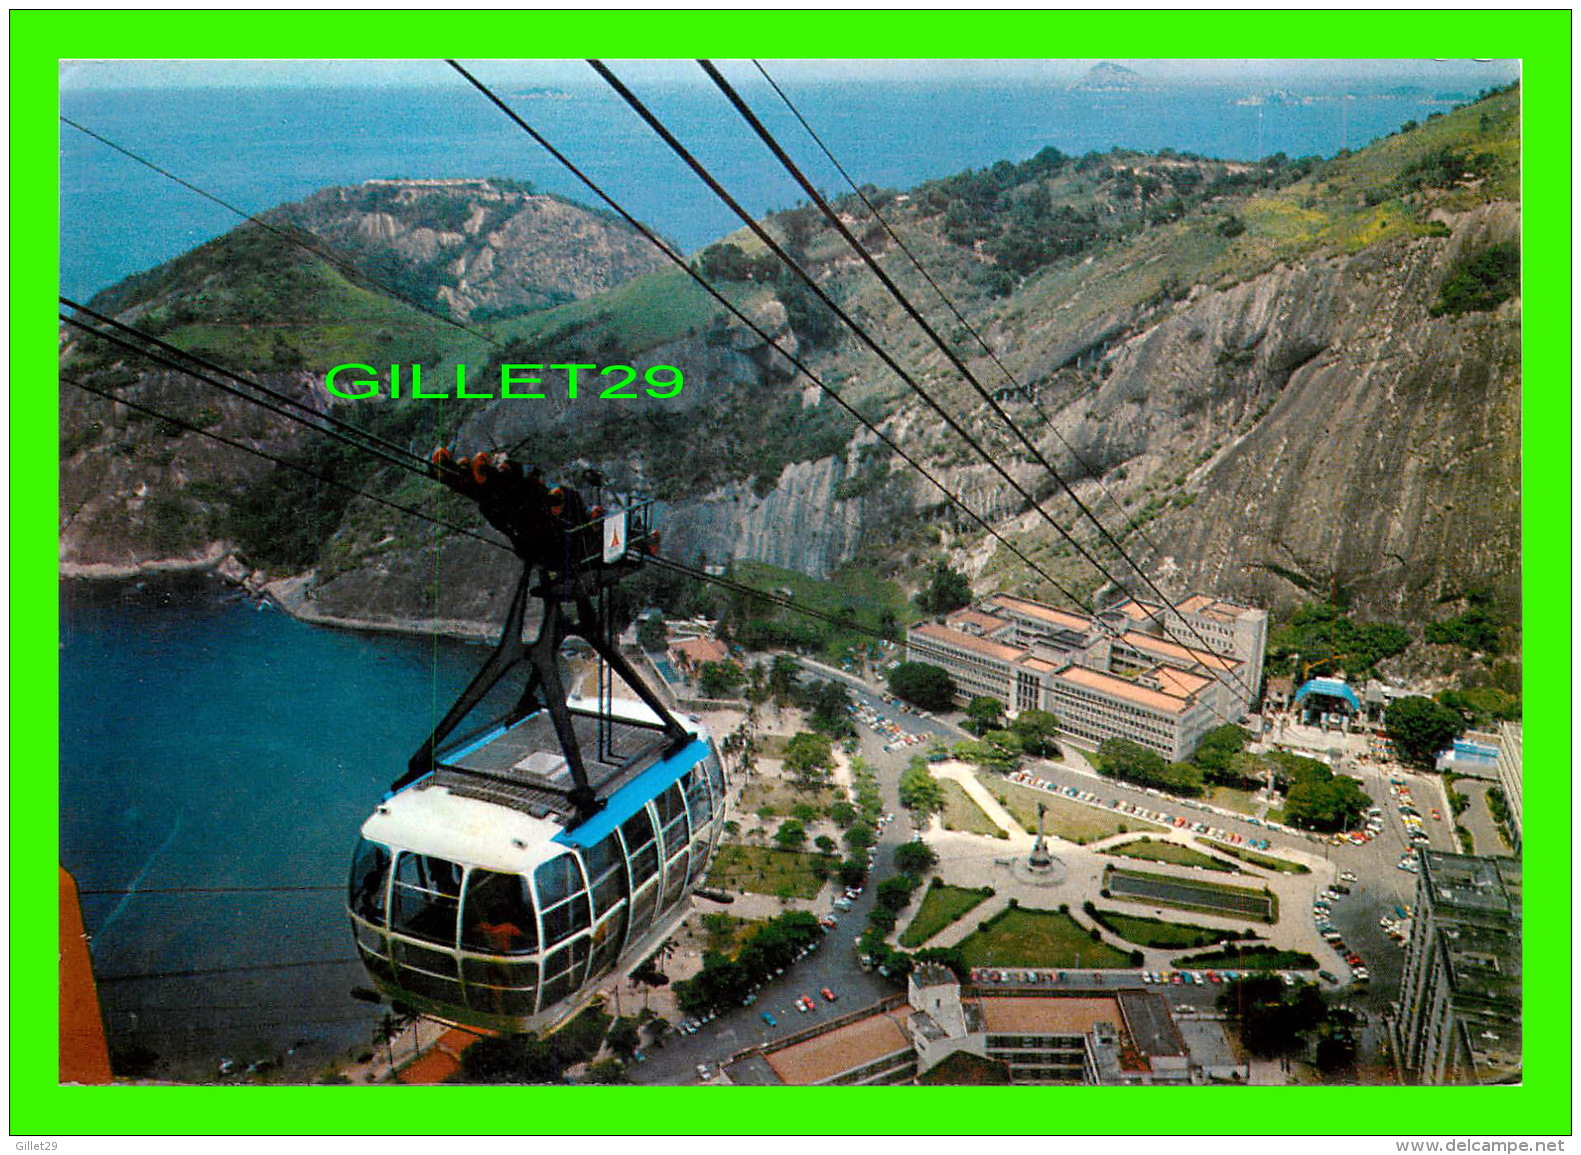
column 828, row 994
column 769, row 1019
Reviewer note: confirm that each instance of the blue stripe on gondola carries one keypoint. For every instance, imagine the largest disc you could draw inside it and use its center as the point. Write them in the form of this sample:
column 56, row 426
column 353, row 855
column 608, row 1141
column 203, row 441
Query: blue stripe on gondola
column 631, row 797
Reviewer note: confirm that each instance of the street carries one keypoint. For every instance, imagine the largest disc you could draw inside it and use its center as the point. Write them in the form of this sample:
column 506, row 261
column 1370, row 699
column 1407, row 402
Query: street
column 1379, row 888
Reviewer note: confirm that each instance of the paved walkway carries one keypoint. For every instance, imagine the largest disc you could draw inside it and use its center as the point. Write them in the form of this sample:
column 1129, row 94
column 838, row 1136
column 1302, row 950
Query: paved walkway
column 1478, row 819
column 975, row 860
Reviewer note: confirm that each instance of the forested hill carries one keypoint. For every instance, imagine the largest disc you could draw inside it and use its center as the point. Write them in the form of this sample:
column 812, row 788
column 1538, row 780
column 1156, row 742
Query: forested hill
column 1292, row 378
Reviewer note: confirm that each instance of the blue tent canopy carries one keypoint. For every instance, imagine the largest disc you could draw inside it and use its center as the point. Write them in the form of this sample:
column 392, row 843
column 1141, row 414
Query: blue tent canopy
column 1329, row 688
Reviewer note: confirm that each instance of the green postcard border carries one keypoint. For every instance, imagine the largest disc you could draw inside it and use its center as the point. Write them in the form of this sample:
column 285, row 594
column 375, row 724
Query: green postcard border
column 1542, row 1105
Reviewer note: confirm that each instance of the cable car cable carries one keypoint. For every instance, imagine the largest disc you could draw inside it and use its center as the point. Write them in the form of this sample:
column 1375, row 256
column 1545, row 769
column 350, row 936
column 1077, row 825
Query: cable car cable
column 795, row 360
column 373, row 439
column 850, row 322
column 223, row 440
column 1092, row 470
column 895, row 291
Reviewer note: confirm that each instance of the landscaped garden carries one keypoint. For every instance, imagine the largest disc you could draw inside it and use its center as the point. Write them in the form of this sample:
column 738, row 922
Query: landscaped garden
column 1159, row 850
column 1251, row 958
column 1072, row 821
column 961, row 813
column 1021, row 936
column 1192, row 894
column 766, row 870
column 941, row 906
column 1156, row 932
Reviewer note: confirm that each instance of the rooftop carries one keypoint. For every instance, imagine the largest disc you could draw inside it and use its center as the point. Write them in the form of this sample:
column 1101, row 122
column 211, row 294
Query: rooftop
column 1155, row 645
column 700, row 650
column 844, row 1048
column 1211, row 607
column 977, row 618
column 982, row 646
column 1122, row 688
column 1042, row 1015
column 1065, row 619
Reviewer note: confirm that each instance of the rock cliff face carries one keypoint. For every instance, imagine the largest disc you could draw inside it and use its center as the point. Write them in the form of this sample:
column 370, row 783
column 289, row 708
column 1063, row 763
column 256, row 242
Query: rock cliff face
column 1280, row 415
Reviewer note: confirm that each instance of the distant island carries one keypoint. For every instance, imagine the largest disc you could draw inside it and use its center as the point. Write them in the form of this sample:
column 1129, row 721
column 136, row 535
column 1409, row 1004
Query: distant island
column 1107, row 77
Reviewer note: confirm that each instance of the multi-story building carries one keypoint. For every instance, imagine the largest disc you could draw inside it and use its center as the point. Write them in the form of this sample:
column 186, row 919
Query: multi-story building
column 1460, row 997
column 1122, row 1036
column 1131, row 672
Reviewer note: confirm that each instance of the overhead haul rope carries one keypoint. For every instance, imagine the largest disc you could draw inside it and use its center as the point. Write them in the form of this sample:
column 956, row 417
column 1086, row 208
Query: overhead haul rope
column 752, row 325
column 1092, row 470
column 961, row 367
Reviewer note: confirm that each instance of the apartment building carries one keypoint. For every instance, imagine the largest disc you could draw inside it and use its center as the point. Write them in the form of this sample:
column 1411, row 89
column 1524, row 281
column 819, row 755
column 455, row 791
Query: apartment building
column 1460, row 997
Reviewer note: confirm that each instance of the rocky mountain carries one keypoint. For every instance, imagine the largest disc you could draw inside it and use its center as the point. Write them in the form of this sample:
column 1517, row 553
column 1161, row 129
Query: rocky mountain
column 1281, row 381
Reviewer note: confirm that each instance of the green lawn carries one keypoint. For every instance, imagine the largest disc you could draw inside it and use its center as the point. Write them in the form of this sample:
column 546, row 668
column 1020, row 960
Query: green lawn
column 1145, row 931
column 1072, row 821
column 1192, row 894
column 765, row 870
column 1229, row 798
column 941, row 906
column 1157, row 850
column 783, row 797
column 1266, row 861
column 961, row 813
column 1021, row 936
column 1252, row 958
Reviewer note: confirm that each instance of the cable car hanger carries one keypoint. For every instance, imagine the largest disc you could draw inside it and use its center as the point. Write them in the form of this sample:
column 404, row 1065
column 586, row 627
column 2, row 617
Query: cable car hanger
column 576, row 553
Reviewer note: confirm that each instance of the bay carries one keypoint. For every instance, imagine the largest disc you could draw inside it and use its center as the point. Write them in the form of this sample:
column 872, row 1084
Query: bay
column 206, row 744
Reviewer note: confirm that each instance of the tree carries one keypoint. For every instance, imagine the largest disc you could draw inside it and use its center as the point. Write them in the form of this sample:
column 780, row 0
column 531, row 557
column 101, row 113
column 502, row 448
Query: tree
column 915, row 858
column 860, row 837
column 843, row 814
column 624, row 1037
column 1420, row 728
column 851, row 872
column 718, row 679
column 509, row 1059
column 607, row 1072
column 1036, row 730
column 791, row 835
column 984, row 714
column 947, row 590
column 782, row 677
column 825, row 844
column 922, row 685
column 919, row 793
column 830, row 703
column 895, row 892
column 652, row 634
column 1217, row 748
column 809, row 758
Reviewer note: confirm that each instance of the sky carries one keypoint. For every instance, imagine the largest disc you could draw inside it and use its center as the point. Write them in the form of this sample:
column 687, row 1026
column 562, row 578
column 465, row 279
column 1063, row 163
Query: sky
column 109, row 74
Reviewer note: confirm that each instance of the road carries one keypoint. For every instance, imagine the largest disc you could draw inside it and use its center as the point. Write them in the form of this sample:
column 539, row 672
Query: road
column 1380, row 887
column 832, row 965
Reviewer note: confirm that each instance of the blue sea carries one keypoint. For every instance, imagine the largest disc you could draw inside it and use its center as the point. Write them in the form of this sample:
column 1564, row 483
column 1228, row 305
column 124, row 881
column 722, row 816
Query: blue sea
column 207, row 744
column 260, row 147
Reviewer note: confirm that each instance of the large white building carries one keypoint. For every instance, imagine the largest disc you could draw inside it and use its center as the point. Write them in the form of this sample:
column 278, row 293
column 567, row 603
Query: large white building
column 1135, row 671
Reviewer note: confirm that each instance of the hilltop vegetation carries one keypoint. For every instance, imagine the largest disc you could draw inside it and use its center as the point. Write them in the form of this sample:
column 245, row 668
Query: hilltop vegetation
column 1338, row 337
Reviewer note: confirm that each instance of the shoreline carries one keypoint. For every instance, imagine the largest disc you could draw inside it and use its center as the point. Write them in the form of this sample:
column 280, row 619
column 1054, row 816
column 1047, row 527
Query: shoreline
column 287, row 594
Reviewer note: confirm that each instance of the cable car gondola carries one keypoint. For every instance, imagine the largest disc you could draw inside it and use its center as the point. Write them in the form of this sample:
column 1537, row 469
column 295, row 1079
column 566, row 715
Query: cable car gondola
column 511, row 868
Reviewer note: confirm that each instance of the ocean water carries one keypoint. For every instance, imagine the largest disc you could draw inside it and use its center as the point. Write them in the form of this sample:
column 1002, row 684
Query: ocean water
column 260, row 147
column 206, row 744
